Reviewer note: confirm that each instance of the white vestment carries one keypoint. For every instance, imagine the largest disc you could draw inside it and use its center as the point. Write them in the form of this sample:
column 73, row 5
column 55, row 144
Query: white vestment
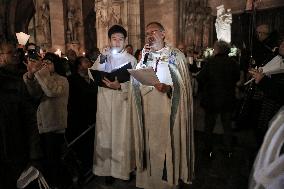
column 164, row 133
column 113, row 153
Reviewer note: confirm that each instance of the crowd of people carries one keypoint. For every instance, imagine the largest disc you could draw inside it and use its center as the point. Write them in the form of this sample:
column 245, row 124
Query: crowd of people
column 86, row 114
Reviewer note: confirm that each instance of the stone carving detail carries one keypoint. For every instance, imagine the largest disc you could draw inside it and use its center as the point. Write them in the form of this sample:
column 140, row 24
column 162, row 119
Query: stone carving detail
column 223, row 24
column 74, row 26
column 43, row 24
column 197, row 24
column 74, row 23
column 108, row 13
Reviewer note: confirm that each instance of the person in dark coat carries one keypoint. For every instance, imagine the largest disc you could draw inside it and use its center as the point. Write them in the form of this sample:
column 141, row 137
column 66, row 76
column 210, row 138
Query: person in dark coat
column 19, row 136
column 217, row 81
column 273, row 92
column 81, row 108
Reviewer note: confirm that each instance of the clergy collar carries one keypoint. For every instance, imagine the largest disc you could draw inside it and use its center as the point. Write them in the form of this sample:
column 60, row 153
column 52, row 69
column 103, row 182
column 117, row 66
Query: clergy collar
column 161, row 50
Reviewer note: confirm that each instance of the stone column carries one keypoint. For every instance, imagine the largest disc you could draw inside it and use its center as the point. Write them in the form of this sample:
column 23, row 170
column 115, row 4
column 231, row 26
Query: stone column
column 57, row 24
column 165, row 12
column 133, row 24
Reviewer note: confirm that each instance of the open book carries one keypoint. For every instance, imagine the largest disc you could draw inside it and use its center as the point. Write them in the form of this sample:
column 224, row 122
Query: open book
column 120, row 73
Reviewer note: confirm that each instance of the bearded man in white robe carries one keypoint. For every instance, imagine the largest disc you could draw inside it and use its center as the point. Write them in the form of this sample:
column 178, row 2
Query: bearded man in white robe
column 162, row 116
column 113, row 154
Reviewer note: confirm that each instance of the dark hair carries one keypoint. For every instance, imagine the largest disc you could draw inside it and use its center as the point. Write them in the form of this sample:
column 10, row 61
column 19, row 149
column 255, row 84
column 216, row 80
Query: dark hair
column 157, row 24
column 117, row 29
column 55, row 59
column 78, row 61
column 136, row 54
column 93, row 54
column 223, row 47
column 129, row 45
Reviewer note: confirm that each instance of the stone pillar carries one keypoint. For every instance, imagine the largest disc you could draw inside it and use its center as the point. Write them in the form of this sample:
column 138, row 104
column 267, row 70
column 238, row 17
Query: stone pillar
column 57, row 25
column 133, row 24
column 165, row 12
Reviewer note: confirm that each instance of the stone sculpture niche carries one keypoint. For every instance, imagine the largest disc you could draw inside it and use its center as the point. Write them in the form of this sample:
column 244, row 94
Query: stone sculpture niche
column 108, row 13
column 223, row 24
column 74, row 30
column 197, row 22
column 43, row 24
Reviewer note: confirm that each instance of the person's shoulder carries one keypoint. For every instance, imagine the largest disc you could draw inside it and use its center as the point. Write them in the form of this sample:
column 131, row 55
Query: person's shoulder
column 11, row 84
column 60, row 78
column 73, row 77
column 176, row 51
column 10, row 77
column 130, row 57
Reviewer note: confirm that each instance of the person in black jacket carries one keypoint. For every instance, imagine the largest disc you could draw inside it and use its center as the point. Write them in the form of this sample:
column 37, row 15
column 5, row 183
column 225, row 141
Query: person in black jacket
column 217, row 81
column 19, row 136
column 273, row 92
column 82, row 105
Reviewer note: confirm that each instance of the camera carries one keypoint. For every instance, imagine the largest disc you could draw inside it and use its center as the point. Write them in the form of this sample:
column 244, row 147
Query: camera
column 33, row 55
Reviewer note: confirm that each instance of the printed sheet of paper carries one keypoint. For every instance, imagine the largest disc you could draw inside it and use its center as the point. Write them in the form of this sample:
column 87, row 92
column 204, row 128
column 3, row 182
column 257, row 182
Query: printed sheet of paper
column 145, row 76
column 274, row 66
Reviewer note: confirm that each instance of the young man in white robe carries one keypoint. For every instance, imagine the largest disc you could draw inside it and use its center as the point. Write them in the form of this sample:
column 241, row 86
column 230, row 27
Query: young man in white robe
column 162, row 116
column 113, row 153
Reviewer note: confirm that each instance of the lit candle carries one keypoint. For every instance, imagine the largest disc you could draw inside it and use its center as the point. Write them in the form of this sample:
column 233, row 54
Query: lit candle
column 58, row 52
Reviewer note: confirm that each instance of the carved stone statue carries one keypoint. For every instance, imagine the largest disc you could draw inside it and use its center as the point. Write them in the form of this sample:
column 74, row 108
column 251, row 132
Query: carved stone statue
column 71, row 23
column 44, row 22
column 223, row 24
column 190, row 31
column 112, row 18
column 107, row 14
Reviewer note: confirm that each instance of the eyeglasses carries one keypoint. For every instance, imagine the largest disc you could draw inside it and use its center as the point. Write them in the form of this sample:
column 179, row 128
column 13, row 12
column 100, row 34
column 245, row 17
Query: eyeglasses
column 262, row 33
column 148, row 34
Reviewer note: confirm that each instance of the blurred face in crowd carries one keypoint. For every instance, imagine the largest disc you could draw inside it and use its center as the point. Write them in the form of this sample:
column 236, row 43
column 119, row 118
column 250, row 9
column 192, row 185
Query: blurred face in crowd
column 216, row 49
column 8, row 54
column 155, row 36
column 129, row 49
column 139, row 55
column 71, row 55
column 281, row 48
column 84, row 65
column 181, row 48
column 117, row 42
column 49, row 65
column 262, row 32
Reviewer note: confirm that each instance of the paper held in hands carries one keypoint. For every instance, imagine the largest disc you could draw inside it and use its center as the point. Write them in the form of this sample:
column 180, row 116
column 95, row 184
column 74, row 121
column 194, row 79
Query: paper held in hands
column 274, row 66
column 145, row 76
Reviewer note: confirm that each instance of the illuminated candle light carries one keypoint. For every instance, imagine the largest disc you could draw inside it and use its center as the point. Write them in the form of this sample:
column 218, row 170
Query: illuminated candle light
column 58, row 52
column 22, row 38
